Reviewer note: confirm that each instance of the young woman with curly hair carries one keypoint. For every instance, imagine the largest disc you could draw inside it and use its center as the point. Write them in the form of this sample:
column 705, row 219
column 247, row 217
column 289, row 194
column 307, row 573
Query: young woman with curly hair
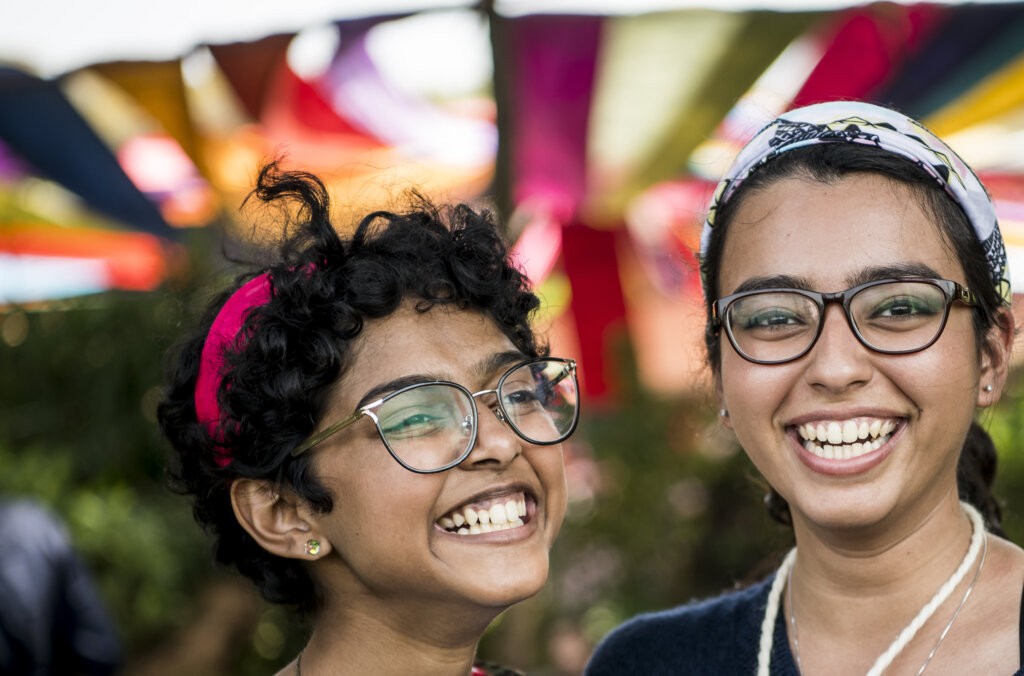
column 370, row 430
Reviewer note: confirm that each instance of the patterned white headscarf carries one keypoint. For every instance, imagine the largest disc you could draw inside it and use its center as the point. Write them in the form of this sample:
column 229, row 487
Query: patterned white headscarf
column 867, row 124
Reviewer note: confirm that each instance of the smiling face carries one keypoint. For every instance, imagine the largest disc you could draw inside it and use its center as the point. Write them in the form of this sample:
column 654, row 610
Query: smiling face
column 892, row 424
column 390, row 528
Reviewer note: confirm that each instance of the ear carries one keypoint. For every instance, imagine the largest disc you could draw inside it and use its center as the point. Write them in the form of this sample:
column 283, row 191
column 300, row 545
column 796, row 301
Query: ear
column 723, row 407
column 280, row 522
column 995, row 358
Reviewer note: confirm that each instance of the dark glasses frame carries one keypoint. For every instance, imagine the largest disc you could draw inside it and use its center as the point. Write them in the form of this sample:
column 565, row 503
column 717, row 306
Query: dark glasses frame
column 502, row 415
column 952, row 291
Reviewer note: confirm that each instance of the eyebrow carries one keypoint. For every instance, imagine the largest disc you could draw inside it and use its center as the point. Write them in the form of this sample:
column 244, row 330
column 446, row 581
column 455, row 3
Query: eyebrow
column 773, row 282
column 889, row 271
column 869, row 274
column 487, row 366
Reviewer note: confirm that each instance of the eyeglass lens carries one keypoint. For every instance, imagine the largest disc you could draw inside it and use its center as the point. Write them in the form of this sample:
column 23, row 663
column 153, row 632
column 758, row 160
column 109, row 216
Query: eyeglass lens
column 897, row 316
column 432, row 425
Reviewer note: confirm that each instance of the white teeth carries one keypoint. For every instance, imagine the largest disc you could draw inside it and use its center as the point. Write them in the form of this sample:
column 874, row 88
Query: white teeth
column 842, row 440
column 498, row 515
column 849, row 432
column 835, row 433
column 845, row 450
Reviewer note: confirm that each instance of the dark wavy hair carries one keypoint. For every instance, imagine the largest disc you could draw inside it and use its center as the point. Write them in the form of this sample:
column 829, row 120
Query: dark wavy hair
column 827, row 163
column 299, row 344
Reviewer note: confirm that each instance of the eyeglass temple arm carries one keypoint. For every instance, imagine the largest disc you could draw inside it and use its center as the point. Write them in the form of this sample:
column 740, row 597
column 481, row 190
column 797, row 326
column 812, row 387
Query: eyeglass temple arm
column 567, row 371
column 336, row 427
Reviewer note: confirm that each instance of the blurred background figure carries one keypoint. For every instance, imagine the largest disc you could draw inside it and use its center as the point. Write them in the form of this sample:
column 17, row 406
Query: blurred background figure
column 52, row 621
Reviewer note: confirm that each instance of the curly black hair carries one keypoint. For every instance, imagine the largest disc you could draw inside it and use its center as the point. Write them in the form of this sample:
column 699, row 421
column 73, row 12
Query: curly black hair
column 294, row 348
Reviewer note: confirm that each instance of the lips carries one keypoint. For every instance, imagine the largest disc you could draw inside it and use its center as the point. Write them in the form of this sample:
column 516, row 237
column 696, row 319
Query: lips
column 496, row 512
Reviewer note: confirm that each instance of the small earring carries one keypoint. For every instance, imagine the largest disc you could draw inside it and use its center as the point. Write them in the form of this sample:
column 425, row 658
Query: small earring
column 724, row 413
column 312, row 547
column 988, row 388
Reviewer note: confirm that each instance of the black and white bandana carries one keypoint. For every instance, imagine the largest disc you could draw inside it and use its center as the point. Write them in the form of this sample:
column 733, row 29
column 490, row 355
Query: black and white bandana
column 867, row 124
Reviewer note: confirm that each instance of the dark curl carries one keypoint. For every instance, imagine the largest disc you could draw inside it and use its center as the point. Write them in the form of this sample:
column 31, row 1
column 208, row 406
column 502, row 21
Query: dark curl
column 828, row 163
column 296, row 347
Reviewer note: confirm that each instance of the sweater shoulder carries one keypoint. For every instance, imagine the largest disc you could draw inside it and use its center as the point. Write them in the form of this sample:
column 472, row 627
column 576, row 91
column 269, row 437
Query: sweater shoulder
column 712, row 636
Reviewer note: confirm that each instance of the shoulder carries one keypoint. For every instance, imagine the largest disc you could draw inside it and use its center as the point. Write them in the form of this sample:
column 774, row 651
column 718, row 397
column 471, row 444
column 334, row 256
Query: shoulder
column 711, row 636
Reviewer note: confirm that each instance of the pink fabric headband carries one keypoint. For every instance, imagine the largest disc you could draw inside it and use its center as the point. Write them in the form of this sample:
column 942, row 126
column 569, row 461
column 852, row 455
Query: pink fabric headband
column 223, row 334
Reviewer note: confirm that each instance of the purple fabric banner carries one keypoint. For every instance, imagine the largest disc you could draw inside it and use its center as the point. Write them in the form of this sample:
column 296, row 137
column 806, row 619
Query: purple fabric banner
column 553, row 61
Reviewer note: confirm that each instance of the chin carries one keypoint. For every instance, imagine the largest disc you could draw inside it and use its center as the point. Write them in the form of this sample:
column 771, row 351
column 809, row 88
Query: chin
column 501, row 591
column 848, row 513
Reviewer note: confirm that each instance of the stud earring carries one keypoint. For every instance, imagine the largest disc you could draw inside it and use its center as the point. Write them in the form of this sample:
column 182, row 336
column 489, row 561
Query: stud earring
column 724, row 413
column 312, row 547
column 988, row 388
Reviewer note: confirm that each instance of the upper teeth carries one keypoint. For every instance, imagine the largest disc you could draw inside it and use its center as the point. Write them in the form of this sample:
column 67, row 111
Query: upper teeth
column 847, row 439
column 486, row 516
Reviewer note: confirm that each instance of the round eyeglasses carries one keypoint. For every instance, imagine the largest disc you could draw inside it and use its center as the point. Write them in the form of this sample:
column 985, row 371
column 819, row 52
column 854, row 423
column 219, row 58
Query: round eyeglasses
column 432, row 426
column 890, row 316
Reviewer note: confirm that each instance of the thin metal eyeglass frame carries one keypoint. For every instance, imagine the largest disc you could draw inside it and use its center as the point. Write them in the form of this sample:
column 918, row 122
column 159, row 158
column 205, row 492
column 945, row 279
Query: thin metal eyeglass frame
column 953, row 291
column 500, row 413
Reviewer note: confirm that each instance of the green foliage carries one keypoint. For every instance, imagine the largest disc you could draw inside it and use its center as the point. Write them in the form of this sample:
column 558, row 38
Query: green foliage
column 1005, row 424
column 78, row 433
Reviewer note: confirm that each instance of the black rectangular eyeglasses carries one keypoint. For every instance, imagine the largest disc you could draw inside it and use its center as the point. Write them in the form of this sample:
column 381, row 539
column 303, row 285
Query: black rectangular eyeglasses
column 890, row 316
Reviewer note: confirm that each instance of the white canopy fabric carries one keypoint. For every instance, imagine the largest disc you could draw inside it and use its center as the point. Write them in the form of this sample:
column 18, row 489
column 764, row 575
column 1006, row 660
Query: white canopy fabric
column 50, row 37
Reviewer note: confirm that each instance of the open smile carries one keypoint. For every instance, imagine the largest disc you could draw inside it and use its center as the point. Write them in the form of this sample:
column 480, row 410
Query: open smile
column 846, row 439
column 503, row 511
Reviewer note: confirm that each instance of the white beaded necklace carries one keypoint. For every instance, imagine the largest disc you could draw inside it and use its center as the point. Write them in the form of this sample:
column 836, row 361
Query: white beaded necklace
column 979, row 537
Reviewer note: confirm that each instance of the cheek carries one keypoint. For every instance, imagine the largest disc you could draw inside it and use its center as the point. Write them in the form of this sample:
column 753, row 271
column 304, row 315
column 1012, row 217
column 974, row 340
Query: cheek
column 549, row 465
column 376, row 499
column 751, row 392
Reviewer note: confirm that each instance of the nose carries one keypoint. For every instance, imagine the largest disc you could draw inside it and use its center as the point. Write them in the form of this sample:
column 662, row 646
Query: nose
column 838, row 361
column 497, row 445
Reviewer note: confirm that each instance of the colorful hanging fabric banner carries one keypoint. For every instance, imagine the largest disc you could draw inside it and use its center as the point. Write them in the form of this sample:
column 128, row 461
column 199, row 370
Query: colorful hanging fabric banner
column 39, row 124
column 950, row 58
column 250, row 67
column 866, row 47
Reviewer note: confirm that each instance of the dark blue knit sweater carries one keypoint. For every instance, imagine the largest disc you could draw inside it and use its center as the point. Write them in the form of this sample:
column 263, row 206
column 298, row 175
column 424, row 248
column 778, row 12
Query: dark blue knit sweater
column 716, row 637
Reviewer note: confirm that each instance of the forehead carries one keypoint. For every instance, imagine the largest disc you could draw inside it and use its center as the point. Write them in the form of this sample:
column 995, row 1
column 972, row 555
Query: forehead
column 829, row 233
column 444, row 342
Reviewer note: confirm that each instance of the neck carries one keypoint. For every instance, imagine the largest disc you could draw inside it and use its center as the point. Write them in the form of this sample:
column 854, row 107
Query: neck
column 872, row 591
column 375, row 638
column 904, row 554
